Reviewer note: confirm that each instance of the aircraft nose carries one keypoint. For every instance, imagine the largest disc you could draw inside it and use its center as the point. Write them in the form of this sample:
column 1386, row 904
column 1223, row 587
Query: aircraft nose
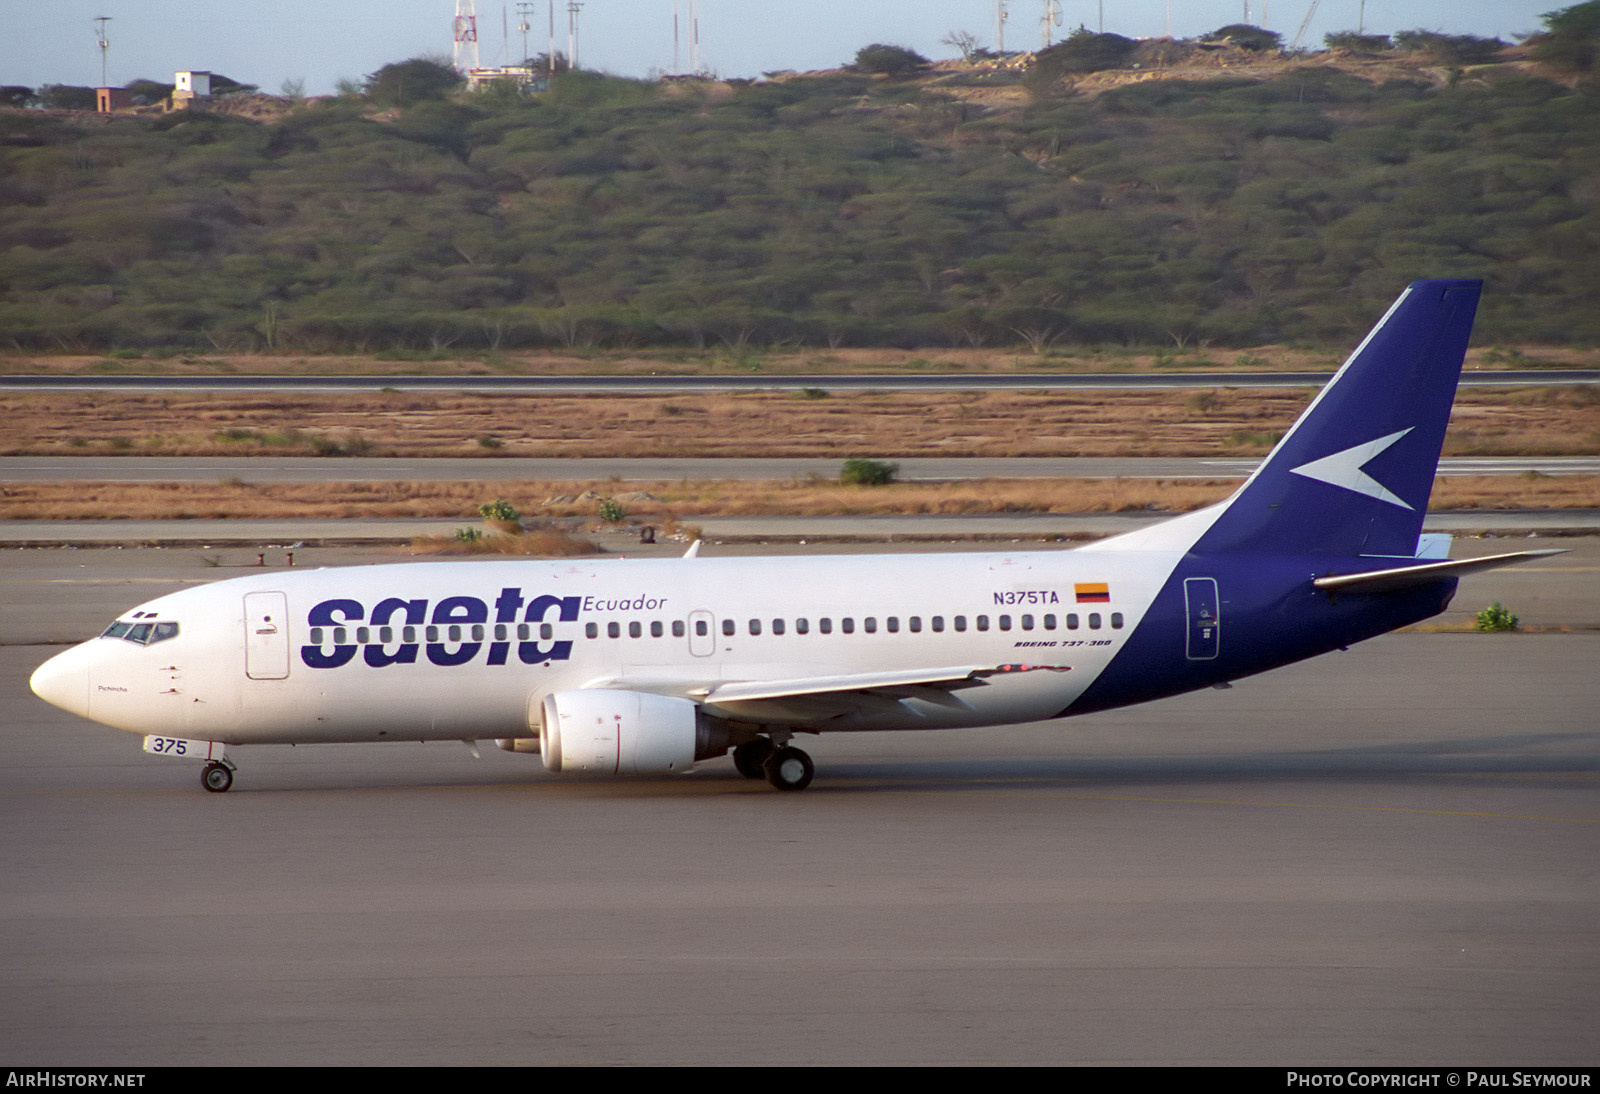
column 63, row 681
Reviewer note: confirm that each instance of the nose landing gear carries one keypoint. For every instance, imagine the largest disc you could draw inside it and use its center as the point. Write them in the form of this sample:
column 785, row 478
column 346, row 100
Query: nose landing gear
column 216, row 776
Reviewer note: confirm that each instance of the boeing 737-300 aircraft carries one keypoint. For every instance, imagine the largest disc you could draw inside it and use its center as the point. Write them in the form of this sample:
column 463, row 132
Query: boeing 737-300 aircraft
column 649, row 666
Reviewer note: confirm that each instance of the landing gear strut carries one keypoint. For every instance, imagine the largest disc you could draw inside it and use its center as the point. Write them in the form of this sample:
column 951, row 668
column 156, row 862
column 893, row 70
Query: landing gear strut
column 751, row 757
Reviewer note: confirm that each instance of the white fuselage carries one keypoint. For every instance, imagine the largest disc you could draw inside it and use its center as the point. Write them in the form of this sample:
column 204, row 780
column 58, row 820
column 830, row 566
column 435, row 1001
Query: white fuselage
column 468, row 650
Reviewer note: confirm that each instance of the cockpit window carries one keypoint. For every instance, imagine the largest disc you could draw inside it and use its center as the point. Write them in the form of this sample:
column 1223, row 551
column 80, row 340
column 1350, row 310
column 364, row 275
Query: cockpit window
column 141, row 634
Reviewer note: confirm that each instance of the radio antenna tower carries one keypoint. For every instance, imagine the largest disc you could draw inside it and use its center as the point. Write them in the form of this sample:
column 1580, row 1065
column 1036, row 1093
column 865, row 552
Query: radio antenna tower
column 1051, row 20
column 573, row 7
column 100, row 22
column 694, row 38
column 693, row 14
column 524, row 13
column 466, row 34
column 1000, row 17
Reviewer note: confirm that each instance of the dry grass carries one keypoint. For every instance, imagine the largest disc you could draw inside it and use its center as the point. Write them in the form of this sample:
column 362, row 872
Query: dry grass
column 774, row 362
column 1221, row 421
column 666, row 502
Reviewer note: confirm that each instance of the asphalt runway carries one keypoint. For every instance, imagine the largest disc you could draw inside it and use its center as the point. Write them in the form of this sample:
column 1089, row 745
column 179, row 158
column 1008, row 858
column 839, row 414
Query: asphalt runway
column 1385, row 856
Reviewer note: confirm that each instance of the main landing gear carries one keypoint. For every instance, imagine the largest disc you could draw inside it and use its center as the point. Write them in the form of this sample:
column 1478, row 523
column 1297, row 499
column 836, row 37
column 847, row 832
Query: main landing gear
column 784, row 766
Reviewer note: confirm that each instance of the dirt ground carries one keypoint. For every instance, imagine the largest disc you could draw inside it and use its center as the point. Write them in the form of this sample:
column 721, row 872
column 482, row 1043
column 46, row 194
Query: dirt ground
column 662, row 502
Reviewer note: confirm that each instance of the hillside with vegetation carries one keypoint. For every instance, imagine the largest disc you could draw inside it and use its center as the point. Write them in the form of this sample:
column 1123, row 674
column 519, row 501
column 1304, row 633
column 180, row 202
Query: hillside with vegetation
column 1224, row 195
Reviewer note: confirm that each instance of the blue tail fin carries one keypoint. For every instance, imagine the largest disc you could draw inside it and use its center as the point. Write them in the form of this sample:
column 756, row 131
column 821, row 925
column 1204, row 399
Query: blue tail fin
column 1352, row 477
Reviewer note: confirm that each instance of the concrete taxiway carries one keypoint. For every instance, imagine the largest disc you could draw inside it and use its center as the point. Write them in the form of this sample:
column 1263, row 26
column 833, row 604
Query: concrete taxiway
column 1385, row 856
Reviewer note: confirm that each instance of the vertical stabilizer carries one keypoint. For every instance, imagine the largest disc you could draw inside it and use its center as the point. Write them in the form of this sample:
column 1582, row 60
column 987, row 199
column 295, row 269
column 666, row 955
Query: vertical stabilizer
column 1353, row 475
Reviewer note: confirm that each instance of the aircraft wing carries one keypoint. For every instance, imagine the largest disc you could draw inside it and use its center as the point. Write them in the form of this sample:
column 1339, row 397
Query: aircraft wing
column 808, row 700
column 1403, row 577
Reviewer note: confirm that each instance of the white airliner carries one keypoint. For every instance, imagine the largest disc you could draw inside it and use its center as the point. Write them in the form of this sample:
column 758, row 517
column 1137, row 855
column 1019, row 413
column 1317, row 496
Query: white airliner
column 649, row 666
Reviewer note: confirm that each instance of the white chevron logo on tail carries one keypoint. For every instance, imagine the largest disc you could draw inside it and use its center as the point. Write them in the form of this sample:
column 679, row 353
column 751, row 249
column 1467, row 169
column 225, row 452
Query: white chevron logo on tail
column 1344, row 469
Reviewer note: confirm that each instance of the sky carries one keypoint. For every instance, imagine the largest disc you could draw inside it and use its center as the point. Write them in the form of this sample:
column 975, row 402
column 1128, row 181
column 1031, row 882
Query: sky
column 319, row 42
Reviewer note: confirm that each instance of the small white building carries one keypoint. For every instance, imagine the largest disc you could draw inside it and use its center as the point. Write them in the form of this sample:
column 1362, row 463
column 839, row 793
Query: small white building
column 522, row 76
column 189, row 86
column 192, row 85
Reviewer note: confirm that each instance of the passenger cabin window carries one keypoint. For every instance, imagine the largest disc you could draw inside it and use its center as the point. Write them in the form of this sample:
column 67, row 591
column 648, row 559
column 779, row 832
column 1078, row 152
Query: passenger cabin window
column 801, row 627
column 825, row 625
column 777, row 626
column 755, row 626
column 729, row 627
column 1116, row 620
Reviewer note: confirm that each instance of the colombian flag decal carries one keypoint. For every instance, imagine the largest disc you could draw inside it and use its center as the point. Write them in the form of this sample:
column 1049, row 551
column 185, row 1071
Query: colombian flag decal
column 1097, row 592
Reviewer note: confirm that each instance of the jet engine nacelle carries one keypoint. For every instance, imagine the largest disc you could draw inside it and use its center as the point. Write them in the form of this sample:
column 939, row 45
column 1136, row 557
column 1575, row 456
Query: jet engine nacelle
column 625, row 733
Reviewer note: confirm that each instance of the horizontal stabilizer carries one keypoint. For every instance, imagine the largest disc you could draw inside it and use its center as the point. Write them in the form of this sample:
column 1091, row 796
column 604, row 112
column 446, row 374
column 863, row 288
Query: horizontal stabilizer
column 1405, row 577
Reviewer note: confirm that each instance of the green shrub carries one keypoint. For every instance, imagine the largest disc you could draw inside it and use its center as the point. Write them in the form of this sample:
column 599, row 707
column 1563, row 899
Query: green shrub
column 468, row 535
column 407, row 82
column 889, row 60
column 868, row 472
column 1247, row 36
column 1497, row 617
column 499, row 509
column 1351, row 42
column 611, row 512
